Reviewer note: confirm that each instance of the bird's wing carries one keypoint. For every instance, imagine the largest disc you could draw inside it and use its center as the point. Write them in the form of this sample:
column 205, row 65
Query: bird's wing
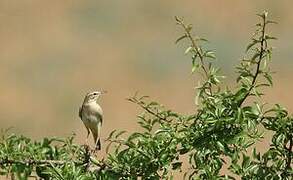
column 100, row 117
column 80, row 112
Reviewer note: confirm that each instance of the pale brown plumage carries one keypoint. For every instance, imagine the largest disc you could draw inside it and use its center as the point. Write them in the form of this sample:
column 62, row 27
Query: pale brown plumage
column 91, row 115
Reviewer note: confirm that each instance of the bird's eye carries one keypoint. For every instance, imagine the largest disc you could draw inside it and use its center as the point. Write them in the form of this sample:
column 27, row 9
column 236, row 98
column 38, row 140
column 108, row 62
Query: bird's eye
column 95, row 94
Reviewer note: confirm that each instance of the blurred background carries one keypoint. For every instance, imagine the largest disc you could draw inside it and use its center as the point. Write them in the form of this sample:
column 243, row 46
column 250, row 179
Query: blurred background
column 53, row 52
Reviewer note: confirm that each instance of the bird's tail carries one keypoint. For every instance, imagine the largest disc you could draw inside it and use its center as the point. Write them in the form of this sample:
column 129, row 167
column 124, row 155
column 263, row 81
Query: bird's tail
column 98, row 144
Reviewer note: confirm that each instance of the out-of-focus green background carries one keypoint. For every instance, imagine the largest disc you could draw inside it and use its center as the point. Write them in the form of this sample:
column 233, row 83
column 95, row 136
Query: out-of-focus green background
column 53, row 52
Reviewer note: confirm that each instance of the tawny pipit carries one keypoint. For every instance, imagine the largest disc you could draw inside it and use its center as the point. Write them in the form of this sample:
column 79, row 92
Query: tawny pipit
column 91, row 115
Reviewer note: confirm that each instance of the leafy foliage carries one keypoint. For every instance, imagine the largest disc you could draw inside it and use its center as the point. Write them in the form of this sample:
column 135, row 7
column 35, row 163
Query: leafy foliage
column 57, row 158
column 220, row 134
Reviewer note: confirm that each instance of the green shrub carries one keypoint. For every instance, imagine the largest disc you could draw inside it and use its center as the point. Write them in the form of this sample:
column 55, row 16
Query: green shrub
column 220, row 134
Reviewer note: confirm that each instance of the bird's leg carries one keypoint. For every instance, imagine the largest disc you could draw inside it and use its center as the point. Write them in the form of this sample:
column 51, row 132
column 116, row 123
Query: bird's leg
column 98, row 140
column 87, row 137
column 97, row 146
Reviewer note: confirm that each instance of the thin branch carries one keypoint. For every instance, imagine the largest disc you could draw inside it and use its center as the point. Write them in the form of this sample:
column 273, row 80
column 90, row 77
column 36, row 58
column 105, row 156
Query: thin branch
column 153, row 113
column 197, row 50
column 260, row 57
column 33, row 162
column 148, row 109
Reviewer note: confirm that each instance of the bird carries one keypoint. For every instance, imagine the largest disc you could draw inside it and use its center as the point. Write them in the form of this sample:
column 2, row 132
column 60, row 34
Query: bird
column 91, row 115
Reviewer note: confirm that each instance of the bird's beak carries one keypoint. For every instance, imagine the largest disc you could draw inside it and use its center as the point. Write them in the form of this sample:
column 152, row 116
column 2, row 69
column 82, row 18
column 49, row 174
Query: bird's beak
column 103, row 92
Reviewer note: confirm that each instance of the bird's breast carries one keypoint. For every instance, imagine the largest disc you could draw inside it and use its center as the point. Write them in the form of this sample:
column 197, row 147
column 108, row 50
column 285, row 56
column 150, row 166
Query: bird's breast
column 92, row 112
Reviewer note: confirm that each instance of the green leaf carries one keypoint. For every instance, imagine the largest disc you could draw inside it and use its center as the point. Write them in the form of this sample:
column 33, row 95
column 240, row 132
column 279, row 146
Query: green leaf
column 210, row 54
column 256, row 154
column 280, row 139
column 188, row 50
column 111, row 134
column 194, row 66
column 270, row 37
column 271, row 22
column 253, row 43
column 221, row 146
column 119, row 134
column 269, row 78
column 180, row 38
column 245, row 161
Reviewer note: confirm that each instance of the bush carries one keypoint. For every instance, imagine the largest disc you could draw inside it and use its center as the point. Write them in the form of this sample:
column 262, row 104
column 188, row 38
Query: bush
column 219, row 134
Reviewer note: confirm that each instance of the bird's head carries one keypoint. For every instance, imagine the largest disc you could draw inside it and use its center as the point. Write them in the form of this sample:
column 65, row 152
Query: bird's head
column 93, row 96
